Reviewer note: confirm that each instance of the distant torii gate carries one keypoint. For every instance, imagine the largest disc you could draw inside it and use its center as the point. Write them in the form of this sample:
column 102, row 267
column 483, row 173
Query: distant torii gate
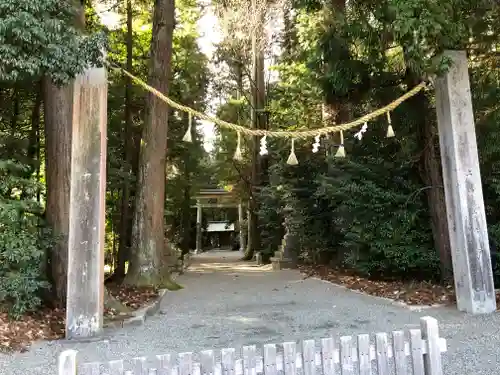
column 219, row 198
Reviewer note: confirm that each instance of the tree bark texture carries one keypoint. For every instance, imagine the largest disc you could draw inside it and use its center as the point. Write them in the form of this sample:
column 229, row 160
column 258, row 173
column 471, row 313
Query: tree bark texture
column 258, row 122
column 148, row 245
column 432, row 177
column 125, row 233
column 58, row 112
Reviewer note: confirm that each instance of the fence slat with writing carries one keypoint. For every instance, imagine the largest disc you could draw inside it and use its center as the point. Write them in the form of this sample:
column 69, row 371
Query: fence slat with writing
column 238, row 367
column 346, row 360
column 92, row 368
column 290, row 358
column 67, row 363
column 228, row 361
column 249, row 360
column 382, row 349
column 116, row 367
column 186, row 363
column 165, row 363
column 364, row 359
column 309, row 357
column 269, row 366
column 430, row 333
column 207, row 361
column 140, row 366
column 327, row 356
column 196, row 368
column 398, row 346
column 417, row 355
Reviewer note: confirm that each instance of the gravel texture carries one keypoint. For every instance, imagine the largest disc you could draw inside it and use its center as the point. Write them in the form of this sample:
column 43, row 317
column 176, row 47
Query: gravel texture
column 226, row 303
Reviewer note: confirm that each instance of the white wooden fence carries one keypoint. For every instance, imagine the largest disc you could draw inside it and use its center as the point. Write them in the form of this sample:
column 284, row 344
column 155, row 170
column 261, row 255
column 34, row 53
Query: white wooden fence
column 418, row 353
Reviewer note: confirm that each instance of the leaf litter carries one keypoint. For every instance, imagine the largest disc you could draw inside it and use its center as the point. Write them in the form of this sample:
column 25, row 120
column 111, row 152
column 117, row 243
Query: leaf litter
column 48, row 324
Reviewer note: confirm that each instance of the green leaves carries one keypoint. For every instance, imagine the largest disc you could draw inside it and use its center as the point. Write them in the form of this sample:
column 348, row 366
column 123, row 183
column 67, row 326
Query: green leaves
column 23, row 240
column 40, row 37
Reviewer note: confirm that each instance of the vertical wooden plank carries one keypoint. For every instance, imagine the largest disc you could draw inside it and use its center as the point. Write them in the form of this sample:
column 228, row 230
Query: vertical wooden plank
column 382, row 348
column 116, row 367
column 228, row 361
column 270, row 366
column 85, row 291
column 398, row 345
column 430, row 333
column 92, row 368
column 140, row 366
column 327, row 356
column 364, row 360
column 207, row 362
column 309, row 357
column 290, row 358
column 165, row 363
column 218, row 368
column 346, row 359
column 259, row 364
column 249, row 360
column 416, row 349
column 279, row 362
column 67, row 363
column 186, row 363
column 196, row 368
column 238, row 367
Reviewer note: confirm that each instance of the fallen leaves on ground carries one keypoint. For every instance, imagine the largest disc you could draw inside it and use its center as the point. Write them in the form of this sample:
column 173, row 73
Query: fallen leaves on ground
column 17, row 335
column 48, row 324
column 133, row 297
column 412, row 293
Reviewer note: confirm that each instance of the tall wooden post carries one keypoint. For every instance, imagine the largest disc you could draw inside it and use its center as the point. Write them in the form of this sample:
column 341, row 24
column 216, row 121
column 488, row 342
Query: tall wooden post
column 198, row 228
column 85, row 298
column 464, row 195
column 241, row 219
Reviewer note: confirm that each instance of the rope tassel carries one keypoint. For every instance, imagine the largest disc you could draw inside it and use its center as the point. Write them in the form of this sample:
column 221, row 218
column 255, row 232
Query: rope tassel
column 292, row 159
column 237, row 154
column 341, row 151
column 188, row 136
column 390, row 130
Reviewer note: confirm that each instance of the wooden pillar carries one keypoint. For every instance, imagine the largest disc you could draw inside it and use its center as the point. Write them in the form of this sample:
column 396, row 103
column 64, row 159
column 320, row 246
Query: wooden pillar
column 462, row 184
column 198, row 227
column 241, row 219
column 85, row 297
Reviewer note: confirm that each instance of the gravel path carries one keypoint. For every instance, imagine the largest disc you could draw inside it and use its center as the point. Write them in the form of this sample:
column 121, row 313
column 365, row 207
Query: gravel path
column 225, row 303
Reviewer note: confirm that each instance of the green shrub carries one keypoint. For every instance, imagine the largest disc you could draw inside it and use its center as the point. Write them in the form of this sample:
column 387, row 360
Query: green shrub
column 23, row 241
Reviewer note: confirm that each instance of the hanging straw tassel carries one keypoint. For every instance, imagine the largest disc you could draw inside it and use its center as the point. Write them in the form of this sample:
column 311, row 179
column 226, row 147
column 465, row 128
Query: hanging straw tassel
column 390, row 130
column 341, row 151
column 188, row 137
column 292, row 159
column 237, row 154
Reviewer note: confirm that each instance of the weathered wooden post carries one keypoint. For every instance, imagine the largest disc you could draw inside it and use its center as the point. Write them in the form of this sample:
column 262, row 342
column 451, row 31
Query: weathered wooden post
column 462, row 184
column 85, row 297
column 198, row 227
column 241, row 220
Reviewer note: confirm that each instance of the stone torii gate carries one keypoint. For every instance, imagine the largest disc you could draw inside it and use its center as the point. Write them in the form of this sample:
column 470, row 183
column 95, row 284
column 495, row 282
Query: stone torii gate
column 219, row 198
